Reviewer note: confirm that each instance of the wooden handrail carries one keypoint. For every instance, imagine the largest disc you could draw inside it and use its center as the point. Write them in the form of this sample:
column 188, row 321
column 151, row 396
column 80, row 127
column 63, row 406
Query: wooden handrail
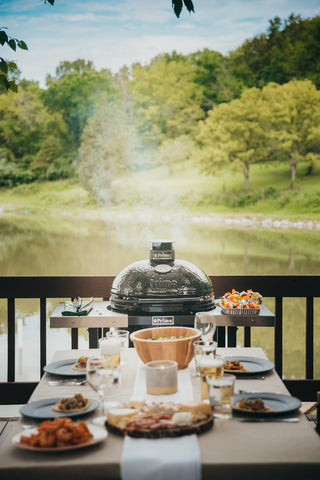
column 69, row 286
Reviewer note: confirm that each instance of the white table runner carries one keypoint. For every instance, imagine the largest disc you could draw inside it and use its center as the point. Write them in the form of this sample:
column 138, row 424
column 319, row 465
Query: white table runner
column 161, row 458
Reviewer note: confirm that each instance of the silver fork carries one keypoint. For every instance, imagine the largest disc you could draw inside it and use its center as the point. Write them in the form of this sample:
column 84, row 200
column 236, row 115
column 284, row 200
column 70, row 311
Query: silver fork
column 55, row 383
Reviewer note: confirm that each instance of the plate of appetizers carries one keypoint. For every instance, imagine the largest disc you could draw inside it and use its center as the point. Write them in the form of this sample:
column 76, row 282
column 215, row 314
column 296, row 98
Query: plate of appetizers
column 59, row 435
column 67, row 368
column 240, row 365
column 59, row 407
column 264, row 403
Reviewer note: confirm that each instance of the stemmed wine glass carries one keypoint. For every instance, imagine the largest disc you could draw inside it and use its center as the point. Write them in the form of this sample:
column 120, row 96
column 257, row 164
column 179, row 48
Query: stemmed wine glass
column 100, row 376
column 205, row 322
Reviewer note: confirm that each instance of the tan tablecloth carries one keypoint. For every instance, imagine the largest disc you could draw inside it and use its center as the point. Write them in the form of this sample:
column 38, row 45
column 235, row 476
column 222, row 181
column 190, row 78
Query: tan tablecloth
column 231, row 450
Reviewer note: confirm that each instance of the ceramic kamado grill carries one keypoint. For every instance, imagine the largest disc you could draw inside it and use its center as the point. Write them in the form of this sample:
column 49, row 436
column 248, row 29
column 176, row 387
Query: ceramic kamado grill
column 161, row 290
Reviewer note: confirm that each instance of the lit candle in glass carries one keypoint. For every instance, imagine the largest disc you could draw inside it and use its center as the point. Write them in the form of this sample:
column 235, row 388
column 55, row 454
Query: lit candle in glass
column 161, row 377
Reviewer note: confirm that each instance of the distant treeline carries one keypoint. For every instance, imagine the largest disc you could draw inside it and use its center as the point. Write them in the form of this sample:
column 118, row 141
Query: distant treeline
column 97, row 125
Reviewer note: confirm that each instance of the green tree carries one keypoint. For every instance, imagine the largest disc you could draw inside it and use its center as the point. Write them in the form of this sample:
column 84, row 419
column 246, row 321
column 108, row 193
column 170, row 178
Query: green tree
column 294, row 122
column 233, row 134
column 107, row 148
column 167, row 99
column 212, row 72
column 290, row 49
column 25, row 125
column 73, row 93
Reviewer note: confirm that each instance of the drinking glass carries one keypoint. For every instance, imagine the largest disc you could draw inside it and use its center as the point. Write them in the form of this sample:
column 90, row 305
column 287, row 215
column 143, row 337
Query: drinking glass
column 100, row 376
column 110, row 347
column 123, row 335
column 212, row 367
column 220, row 391
column 201, row 349
column 206, row 323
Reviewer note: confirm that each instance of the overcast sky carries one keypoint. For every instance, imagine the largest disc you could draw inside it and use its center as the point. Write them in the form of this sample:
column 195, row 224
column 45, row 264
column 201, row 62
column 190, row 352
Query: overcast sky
column 113, row 33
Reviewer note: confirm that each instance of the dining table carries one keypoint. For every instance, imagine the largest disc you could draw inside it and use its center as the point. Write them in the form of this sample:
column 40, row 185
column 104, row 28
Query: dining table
column 231, row 449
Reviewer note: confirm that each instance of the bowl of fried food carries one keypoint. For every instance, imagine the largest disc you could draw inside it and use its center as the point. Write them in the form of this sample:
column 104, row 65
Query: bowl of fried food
column 166, row 343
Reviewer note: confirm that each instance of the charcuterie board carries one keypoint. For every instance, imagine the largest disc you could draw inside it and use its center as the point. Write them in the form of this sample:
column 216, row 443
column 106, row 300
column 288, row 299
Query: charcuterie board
column 159, row 420
column 197, row 428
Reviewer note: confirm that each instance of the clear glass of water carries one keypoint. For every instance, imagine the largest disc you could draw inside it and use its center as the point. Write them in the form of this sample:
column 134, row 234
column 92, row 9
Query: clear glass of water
column 206, row 323
column 220, row 392
column 100, row 376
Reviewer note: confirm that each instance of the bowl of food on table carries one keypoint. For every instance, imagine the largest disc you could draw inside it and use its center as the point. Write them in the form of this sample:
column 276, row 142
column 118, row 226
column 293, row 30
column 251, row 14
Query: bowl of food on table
column 166, row 343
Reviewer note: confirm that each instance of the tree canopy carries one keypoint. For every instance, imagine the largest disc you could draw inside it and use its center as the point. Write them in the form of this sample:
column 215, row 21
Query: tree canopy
column 293, row 126
column 234, row 134
column 290, row 49
column 73, row 93
column 279, row 122
column 220, row 110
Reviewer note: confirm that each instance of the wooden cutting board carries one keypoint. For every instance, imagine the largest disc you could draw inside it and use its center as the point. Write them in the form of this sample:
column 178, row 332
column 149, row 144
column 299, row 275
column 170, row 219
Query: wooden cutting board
column 196, row 427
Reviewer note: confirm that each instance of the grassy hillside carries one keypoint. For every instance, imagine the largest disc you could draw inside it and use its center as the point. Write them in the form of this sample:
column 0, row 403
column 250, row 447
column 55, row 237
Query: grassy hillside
column 187, row 189
column 183, row 190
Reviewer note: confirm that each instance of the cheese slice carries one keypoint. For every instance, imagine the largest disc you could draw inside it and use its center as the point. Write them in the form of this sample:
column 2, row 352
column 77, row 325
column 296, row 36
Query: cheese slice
column 182, row 419
column 119, row 417
column 196, row 408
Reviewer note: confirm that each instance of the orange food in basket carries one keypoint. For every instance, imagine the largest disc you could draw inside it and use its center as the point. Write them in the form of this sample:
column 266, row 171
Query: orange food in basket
column 240, row 300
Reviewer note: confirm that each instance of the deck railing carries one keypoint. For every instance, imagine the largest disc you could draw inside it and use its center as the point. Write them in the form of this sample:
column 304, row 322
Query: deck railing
column 274, row 286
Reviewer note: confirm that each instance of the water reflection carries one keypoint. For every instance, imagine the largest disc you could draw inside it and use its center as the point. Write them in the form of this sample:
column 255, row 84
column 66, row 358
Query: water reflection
column 103, row 246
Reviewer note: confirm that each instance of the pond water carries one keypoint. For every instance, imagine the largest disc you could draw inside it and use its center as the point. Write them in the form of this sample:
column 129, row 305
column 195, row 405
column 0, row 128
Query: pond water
column 66, row 245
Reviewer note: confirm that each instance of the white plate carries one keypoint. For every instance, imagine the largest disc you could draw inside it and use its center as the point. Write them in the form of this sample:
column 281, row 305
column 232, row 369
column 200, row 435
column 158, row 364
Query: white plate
column 98, row 435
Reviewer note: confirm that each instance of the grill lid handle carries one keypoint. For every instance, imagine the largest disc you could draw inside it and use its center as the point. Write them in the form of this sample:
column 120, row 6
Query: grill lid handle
column 162, row 251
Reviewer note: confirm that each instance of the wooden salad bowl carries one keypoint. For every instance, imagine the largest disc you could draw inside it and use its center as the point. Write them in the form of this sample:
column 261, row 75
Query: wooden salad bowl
column 179, row 349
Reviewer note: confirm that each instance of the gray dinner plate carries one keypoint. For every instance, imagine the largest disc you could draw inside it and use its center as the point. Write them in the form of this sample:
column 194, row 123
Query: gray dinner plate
column 64, row 368
column 278, row 402
column 255, row 365
column 42, row 409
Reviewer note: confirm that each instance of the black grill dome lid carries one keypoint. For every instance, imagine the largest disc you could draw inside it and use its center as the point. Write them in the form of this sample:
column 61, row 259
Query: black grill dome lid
column 161, row 276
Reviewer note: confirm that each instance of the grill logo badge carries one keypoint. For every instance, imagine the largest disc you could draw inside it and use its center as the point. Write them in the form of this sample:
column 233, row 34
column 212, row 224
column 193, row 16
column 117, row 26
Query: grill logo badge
column 157, row 321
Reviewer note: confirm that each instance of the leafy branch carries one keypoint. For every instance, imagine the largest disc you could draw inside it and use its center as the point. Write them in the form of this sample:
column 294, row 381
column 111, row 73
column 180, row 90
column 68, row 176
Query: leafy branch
column 178, row 4
column 7, row 66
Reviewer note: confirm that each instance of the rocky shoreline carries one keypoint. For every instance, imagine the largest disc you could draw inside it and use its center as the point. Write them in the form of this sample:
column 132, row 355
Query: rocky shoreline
column 146, row 216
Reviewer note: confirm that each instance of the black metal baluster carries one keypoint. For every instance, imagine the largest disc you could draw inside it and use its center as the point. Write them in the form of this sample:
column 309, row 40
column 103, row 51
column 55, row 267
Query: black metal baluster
column 11, row 340
column 232, row 336
column 278, row 335
column 221, row 335
column 43, row 334
column 309, row 337
column 74, row 338
column 247, row 336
